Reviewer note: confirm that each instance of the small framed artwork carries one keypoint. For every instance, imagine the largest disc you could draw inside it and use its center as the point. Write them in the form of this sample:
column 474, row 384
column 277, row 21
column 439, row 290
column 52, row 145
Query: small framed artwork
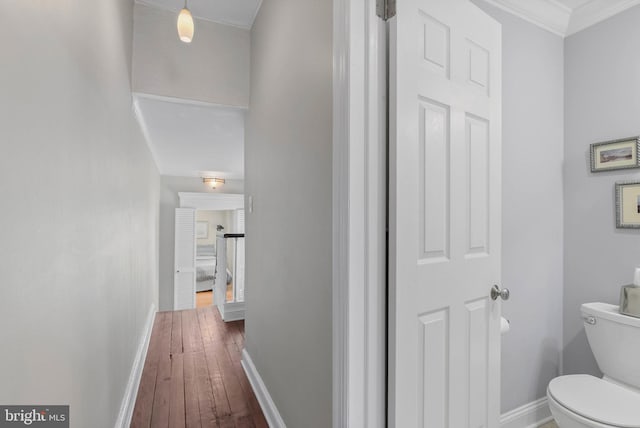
column 202, row 229
column 628, row 205
column 616, row 154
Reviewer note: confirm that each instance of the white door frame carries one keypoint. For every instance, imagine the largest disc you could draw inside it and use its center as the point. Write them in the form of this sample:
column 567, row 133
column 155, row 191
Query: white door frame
column 359, row 215
column 211, row 201
column 208, row 201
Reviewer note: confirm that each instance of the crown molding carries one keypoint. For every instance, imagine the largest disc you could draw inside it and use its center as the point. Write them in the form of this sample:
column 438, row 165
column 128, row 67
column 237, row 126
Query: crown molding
column 548, row 14
column 596, row 11
column 176, row 10
column 560, row 19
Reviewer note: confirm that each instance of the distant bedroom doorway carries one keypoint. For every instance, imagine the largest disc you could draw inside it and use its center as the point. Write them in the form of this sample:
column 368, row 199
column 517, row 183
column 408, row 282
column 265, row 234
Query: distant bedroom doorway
column 209, row 225
column 209, row 253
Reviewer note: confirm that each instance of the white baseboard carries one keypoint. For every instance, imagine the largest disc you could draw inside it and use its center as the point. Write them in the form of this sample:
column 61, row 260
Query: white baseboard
column 232, row 311
column 269, row 408
column 131, row 392
column 531, row 415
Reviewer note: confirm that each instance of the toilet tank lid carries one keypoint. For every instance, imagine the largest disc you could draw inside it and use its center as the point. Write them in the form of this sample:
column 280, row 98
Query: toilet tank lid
column 608, row 312
column 597, row 400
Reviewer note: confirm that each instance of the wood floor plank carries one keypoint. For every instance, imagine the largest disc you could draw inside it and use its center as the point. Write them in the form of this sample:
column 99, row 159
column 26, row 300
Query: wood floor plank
column 192, row 376
column 235, row 394
column 176, row 334
column 235, row 353
column 177, row 414
column 191, row 337
column 206, row 329
column 224, row 333
column 216, row 332
column 205, row 392
column 245, row 421
column 234, row 332
column 228, row 357
column 229, row 373
column 221, row 401
column 160, row 415
column 166, row 325
column 144, row 400
column 161, row 399
column 191, row 402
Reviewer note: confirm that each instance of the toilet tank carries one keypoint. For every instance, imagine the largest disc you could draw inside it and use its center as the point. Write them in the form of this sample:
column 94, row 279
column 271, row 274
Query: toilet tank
column 615, row 341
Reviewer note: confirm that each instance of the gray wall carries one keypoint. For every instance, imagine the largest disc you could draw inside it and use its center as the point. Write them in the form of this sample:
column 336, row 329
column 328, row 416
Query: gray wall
column 77, row 284
column 532, row 136
column 602, row 81
column 169, row 201
column 288, row 167
column 214, row 67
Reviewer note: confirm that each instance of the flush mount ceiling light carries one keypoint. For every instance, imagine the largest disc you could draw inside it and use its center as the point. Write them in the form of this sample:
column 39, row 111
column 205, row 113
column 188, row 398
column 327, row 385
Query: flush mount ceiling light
column 213, row 182
column 185, row 24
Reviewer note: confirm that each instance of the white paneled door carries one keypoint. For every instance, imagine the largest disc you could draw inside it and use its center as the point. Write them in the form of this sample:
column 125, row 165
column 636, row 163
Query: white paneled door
column 445, row 188
column 184, row 293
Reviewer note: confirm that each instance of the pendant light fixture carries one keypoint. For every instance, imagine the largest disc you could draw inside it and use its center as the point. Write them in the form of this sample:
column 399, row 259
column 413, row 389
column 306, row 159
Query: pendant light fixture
column 185, row 24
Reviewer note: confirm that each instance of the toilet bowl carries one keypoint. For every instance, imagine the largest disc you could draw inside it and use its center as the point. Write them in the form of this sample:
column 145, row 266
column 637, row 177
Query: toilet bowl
column 585, row 401
column 579, row 401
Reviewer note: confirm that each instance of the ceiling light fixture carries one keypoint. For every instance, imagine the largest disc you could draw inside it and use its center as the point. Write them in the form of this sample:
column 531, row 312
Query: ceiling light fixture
column 185, row 24
column 213, row 182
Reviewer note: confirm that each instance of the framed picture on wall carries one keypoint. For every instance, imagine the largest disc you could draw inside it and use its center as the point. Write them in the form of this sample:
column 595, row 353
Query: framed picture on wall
column 202, row 229
column 615, row 154
column 628, row 205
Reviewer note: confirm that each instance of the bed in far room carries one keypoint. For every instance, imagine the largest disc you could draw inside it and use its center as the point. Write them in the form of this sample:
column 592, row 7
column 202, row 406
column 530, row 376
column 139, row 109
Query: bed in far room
column 205, row 267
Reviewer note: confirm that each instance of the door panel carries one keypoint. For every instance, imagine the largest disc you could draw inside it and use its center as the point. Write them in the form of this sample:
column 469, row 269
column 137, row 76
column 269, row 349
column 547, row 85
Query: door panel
column 445, row 187
column 185, row 260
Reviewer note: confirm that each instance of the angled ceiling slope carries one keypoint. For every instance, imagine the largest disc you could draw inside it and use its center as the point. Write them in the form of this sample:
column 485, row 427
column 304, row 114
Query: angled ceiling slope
column 564, row 17
column 191, row 139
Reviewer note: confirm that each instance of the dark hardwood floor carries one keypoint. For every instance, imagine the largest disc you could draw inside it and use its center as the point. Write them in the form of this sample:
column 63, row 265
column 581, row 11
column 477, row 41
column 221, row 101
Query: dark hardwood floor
column 192, row 376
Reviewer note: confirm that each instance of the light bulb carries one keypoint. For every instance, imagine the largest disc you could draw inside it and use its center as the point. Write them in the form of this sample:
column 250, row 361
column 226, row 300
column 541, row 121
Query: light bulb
column 213, row 182
column 185, row 25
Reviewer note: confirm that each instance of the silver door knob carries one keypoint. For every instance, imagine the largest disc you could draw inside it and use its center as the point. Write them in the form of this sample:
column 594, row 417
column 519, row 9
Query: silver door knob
column 497, row 292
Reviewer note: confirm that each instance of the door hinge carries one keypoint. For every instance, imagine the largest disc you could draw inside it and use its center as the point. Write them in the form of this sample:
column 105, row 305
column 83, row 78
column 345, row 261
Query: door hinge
column 386, row 9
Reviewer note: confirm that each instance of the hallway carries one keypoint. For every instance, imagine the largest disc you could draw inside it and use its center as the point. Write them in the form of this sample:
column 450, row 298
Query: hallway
column 192, row 375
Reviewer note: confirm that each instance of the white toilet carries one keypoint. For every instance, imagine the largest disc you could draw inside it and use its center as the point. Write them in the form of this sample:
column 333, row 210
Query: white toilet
column 579, row 401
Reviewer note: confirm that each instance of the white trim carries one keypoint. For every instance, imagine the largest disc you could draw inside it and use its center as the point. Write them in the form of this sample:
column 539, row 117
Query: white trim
column 547, row 14
column 215, row 21
column 137, row 112
column 375, row 219
column 255, row 15
column 340, row 214
column 186, row 101
column 131, row 391
column 531, row 415
column 211, row 201
column 233, row 311
column 597, row 11
column 269, row 408
column 560, row 19
column 359, row 215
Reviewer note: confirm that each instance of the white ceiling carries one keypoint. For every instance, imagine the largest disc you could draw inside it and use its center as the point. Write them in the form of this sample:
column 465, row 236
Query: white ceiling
column 193, row 139
column 564, row 17
column 573, row 4
column 239, row 13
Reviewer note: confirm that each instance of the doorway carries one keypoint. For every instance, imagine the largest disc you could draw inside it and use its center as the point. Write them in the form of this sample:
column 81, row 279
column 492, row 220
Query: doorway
column 209, row 253
column 208, row 224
